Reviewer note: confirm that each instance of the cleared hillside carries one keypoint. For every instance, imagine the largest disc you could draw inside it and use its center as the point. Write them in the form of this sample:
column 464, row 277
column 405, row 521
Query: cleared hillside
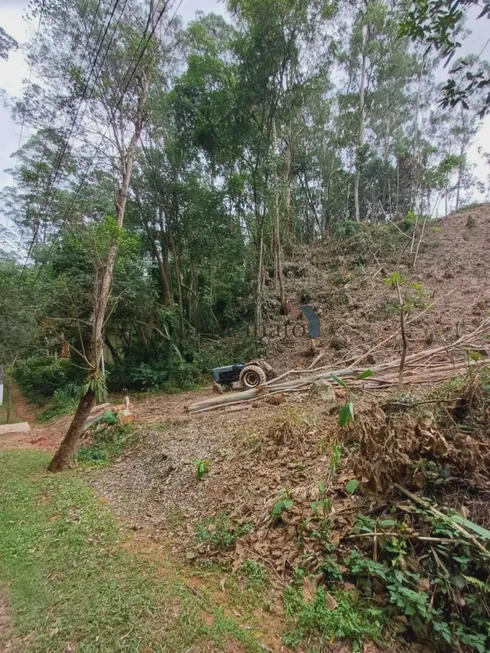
column 327, row 513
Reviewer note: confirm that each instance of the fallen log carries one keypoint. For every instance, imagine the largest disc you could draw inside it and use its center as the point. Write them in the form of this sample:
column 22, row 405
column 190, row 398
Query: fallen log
column 226, row 399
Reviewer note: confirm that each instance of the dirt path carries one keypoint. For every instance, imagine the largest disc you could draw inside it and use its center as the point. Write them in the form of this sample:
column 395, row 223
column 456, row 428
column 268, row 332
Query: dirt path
column 5, row 629
column 148, row 410
column 23, row 411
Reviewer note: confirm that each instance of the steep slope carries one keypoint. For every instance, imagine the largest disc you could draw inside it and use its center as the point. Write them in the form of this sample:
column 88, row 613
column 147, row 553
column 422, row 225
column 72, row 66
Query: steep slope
column 345, row 280
column 326, row 516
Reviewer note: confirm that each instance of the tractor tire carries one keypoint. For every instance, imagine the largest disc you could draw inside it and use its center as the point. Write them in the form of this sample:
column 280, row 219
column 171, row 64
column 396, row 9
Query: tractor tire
column 252, row 376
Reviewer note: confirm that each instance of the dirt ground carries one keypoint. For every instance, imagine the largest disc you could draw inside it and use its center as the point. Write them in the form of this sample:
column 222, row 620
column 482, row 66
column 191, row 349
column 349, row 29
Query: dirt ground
column 4, row 626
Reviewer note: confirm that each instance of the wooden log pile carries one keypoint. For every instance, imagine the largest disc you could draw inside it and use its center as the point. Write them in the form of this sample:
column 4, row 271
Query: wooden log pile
column 426, row 367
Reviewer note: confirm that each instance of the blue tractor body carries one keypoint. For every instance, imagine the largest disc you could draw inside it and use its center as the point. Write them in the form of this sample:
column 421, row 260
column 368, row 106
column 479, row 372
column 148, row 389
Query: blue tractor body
column 228, row 374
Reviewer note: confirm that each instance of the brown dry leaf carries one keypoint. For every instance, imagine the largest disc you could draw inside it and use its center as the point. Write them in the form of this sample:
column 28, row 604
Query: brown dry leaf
column 369, row 647
column 335, row 537
column 239, row 548
column 309, row 588
column 330, row 601
column 423, row 584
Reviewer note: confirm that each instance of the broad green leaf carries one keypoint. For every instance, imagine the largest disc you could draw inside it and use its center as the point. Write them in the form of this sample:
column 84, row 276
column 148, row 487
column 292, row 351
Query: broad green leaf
column 346, row 415
column 364, row 375
column 387, row 523
column 352, row 486
column 482, row 532
column 338, row 380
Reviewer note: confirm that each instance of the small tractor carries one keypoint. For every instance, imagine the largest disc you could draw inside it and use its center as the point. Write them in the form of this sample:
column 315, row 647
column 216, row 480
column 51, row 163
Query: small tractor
column 242, row 376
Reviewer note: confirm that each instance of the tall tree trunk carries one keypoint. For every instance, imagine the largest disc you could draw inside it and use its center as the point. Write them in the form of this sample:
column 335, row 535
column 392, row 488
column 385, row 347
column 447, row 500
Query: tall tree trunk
column 258, row 305
column 397, row 203
column 8, row 388
column 417, row 141
column 178, row 283
column 287, row 194
column 360, row 143
column 102, row 289
column 277, row 226
column 165, row 246
column 112, row 349
column 211, row 278
column 162, row 258
column 386, row 158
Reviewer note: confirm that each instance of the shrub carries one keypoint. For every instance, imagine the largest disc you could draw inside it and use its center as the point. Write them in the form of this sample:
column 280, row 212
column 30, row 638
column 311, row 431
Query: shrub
column 40, row 377
column 164, row 369
column 108, row 443
column 314, row 620
column 64, row 401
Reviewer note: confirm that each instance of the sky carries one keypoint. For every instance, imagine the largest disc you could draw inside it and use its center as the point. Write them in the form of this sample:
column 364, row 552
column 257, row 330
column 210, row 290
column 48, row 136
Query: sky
column 15, row 70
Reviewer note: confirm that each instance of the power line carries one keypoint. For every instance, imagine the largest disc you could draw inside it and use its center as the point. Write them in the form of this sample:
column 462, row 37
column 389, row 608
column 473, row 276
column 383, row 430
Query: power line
column 112, row 116
column 483, row 50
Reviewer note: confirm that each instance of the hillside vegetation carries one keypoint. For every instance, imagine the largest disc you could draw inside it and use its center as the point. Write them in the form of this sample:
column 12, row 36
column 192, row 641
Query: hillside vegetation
column 181, row 192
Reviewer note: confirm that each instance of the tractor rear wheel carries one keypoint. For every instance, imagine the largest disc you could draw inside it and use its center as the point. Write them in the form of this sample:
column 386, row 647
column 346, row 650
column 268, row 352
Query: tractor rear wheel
column 252, row 376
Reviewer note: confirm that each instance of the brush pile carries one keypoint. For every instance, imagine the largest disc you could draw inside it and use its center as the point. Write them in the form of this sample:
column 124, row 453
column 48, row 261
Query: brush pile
column 422, row 368
column 388, row 515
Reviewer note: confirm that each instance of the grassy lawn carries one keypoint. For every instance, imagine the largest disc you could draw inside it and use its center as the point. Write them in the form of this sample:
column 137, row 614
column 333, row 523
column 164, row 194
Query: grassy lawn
column 72, row 585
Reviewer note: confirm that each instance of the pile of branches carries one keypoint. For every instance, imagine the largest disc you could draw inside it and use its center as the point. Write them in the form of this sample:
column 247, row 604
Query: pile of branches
column 392, row 515
column 425, row 367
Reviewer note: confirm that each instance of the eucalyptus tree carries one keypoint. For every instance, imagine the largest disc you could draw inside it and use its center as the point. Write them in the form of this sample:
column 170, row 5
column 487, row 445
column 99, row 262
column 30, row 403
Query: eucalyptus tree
column 94, row 62
column 7, row 43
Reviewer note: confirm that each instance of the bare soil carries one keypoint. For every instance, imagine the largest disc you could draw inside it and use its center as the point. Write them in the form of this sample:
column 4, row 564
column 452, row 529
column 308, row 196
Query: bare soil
column 6, row 644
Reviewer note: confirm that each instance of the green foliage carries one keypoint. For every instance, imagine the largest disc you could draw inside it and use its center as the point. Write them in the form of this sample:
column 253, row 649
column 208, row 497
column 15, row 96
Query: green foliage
column 406, row 597
column 415, row 296
column 346, row 228
column 439, row 25
column 219, row 532
column 356, row 621
column 338, row 380
column 40, row 377
column 365, row 375
column 346, row 415
column 201, row 467
column 64, row 401
column 352, row 486
column 335, row 458
column 284, row 504
column 255, row 574
column 109, row 440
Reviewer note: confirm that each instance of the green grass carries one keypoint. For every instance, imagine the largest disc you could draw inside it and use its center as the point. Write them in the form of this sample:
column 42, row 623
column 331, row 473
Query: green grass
column 69, row 580
column 315, row 625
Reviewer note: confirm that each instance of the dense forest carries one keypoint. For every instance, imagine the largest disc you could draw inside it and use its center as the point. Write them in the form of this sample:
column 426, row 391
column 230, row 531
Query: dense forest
column 172, row 169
